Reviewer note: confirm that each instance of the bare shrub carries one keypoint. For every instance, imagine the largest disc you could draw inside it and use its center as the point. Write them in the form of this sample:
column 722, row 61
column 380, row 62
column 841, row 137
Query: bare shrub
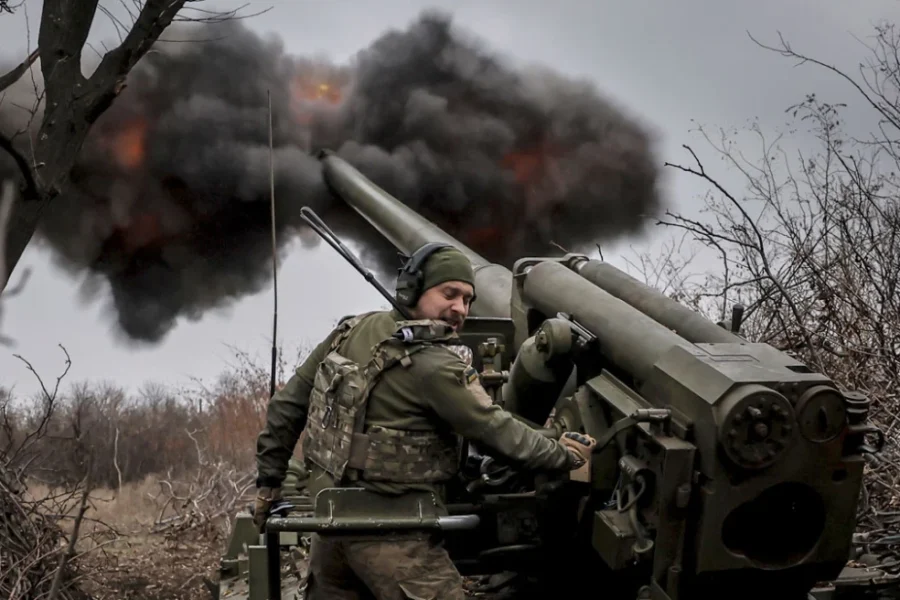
column 812, row 250
column 38, row 557
column 193, row 451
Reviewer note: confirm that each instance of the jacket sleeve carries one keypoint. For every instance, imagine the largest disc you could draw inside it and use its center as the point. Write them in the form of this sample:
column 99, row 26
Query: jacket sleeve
column 286, row 418
column 452, row 390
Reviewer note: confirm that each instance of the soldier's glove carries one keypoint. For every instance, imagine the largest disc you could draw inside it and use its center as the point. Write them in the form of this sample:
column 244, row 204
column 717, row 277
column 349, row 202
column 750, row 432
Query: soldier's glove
column 579, row 446
column 265, row 498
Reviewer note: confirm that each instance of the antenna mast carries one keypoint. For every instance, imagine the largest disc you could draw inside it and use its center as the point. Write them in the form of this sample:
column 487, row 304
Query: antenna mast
column 319, row 226
column 274, row 249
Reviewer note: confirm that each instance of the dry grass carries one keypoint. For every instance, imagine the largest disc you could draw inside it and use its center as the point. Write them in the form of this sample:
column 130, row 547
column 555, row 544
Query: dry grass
column 130, row 560
column 168, row 468
column 133, row 508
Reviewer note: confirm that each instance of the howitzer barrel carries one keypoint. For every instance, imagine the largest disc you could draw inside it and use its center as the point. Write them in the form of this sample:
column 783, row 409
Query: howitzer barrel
column 629, row 338
column 687, row 323
column 407, row 230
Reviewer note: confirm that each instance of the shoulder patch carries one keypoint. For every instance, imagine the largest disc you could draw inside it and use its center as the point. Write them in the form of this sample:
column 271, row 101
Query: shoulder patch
column 470, row 375
column 473, row 385
column 466, row 375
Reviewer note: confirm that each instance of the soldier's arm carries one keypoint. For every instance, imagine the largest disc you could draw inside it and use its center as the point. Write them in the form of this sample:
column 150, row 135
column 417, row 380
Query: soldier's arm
column 285, row 419
column 453, row 391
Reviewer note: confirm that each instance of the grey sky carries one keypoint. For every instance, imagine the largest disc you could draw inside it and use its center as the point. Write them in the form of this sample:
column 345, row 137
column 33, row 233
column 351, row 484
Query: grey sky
column 665, row 62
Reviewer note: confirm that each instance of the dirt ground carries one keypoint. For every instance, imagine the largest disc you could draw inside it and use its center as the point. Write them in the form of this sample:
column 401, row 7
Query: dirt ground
column 154, row 568
column 119, row 556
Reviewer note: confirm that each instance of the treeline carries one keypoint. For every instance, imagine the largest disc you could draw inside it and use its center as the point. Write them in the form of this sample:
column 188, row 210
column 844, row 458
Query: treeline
column 122, row 438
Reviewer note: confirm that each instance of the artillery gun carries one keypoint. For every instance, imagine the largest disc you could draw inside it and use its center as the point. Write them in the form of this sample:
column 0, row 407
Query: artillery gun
column 723, row 468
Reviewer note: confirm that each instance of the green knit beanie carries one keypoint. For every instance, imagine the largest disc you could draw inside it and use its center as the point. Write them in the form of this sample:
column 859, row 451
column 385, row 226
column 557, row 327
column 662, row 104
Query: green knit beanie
column 447, row 264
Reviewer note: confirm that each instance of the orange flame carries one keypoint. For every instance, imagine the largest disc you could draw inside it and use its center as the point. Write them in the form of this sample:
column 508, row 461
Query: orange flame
column 531, row 165
column 306, row 94
column 144, row 229
column 129, row 144
column 537, row 171
column 527, row 166
column 309, row 91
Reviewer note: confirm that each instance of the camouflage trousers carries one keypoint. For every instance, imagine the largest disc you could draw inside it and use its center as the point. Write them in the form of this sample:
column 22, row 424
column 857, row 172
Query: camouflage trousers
column 409, row 568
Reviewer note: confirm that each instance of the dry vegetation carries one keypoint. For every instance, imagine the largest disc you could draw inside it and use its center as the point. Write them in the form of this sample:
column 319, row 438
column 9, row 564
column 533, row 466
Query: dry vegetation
column 146, row 482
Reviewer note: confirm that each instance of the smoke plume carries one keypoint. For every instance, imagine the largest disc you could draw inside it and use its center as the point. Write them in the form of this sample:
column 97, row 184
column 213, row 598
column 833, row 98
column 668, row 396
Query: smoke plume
column 169, row 203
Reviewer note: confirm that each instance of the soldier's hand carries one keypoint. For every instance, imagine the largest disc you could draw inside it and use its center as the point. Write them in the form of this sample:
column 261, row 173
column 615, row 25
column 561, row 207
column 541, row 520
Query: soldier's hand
column 265, row 498
column 579, row 445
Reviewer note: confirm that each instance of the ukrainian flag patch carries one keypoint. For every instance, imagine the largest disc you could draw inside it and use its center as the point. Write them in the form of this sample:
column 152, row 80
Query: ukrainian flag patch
column 471, row 375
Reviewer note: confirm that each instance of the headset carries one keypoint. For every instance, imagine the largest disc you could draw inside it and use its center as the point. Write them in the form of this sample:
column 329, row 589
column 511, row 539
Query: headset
column 410, row 278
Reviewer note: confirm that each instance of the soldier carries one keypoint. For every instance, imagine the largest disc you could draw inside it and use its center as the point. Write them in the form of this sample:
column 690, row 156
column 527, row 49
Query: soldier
column 414, row 389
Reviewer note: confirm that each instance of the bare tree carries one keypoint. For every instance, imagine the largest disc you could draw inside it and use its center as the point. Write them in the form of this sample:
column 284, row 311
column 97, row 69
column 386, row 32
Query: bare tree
column 72, row 102
column 7, row 199
column 812, row 248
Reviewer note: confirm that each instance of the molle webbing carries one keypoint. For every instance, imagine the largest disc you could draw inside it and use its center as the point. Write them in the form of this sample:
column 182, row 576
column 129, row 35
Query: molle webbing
column 383, row 454
column 336, row 440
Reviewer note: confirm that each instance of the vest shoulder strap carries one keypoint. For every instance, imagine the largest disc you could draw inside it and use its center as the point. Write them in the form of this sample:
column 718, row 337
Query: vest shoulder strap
column 344, row 327
column 425, row 330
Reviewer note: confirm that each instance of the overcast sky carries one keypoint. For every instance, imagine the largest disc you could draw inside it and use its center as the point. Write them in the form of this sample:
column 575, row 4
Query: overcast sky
column 667, row 62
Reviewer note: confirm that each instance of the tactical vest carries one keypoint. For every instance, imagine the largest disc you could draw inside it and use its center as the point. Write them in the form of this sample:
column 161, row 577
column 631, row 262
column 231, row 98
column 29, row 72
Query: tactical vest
column 336, row 437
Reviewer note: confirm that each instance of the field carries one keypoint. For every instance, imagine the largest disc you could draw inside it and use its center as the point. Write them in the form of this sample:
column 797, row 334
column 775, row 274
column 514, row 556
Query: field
column 136, row 562
column 148, row 481
column 122, row 555
column 136, row 547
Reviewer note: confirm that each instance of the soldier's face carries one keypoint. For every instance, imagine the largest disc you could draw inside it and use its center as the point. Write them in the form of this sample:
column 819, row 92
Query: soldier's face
column 447, row 301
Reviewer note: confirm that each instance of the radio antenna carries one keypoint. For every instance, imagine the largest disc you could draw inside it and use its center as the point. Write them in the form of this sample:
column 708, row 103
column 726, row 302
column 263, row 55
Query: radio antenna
column 274, row 249
column 325, row 232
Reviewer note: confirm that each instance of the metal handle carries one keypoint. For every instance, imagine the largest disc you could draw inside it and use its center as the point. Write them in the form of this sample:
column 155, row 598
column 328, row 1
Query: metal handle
column 275, row 525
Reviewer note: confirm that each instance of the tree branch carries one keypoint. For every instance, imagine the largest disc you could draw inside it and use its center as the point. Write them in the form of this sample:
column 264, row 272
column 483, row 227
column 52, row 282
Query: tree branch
column 7, row 198
column 31, row 189
column 73, row 539
column 6, row 8
column 151, row 22
column 766, row 263
column 16, row 73
column 786, row 50
column 74, row 103
column 64, row 30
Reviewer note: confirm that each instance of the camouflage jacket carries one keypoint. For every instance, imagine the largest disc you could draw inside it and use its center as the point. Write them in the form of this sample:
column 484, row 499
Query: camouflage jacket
column 438, row 391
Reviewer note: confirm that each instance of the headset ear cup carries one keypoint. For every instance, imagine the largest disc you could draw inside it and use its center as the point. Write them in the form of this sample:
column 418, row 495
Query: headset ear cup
column 406, row 291
column 411, row 278
column 417, row 278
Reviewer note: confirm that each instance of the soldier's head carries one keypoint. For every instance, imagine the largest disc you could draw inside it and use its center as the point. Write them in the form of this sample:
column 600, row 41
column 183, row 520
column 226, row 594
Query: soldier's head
column 437, row 282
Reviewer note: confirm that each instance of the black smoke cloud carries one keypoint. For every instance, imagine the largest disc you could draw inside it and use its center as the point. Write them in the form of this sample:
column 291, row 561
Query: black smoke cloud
column 169, row 203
